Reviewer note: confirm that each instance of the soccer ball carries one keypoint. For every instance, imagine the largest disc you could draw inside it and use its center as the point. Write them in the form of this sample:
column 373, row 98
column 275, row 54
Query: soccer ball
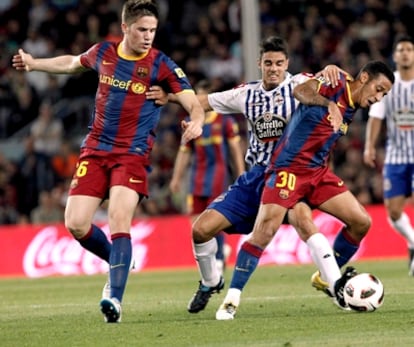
column 364, row 292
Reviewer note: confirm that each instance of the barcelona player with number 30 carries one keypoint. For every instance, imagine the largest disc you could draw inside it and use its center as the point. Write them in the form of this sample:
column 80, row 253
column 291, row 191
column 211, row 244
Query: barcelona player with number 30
column 299, row 171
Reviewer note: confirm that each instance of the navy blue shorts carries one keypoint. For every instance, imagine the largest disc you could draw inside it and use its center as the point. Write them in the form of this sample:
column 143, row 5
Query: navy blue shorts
column 398, row 180
column 241, row 202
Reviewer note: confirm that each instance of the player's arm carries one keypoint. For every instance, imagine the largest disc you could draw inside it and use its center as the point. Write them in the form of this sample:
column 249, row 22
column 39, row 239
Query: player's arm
column 373, row 129
column 64, row 64
column 181, row 163
column 308, row 93
column 193, row 128
column 161, row 97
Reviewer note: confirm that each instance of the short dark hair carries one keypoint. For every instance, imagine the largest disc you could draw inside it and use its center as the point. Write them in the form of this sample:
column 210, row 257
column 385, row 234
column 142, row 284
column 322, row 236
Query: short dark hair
column 402, row 38
column 134, row 9
column 377, row 67
column 274, row 44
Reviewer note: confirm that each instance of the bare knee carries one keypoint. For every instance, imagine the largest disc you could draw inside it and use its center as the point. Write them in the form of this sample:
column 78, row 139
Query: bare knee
column 76, row 226
column 360, row 227
column 202, row 231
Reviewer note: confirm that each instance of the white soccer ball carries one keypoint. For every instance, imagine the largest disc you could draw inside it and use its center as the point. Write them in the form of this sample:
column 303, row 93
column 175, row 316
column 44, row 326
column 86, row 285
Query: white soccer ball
column 364, row 292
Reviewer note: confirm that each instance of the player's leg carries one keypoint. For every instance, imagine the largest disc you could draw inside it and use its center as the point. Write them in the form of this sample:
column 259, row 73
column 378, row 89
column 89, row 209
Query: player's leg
column 79, row 213
column 205, row 228
column 234, row 212
column 121, row 208
column 269, row 218
column 300, row 217
column 346, row 208
column 88, row 188
column 400, row 178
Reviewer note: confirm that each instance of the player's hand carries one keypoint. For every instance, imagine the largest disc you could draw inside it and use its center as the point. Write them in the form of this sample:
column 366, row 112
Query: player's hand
column 335, row 114
column 22, row 61
column 369, row 157
column 331, row 74
column 157, row 94
column 192, row 130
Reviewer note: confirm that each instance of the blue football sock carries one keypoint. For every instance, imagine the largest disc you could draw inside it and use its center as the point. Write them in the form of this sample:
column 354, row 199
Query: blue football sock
column 97, row 243
column 247, row 260
column 220, row 246
column 119, row 262
column 344, row 248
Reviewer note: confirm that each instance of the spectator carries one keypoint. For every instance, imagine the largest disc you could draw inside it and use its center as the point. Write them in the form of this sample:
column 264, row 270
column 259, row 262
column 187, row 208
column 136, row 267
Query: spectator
column 47, row 210
column 47, row 131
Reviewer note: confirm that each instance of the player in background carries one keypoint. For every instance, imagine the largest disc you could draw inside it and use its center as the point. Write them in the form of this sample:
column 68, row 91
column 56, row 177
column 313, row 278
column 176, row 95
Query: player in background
column 114, row 156
column 299, row 171
column 216, row 157
column 397, row 108
column 267, row 105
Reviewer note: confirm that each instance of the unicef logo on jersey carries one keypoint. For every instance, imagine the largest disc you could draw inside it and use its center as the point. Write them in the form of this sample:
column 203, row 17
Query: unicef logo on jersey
column 269, row 127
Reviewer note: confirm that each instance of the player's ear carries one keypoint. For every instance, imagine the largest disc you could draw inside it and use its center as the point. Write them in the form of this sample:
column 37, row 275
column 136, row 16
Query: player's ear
column 364, row 77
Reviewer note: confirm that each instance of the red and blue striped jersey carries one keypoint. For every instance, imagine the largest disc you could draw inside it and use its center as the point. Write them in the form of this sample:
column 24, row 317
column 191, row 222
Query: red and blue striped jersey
column 210, row 170
column 123, row 120
column 309, row 137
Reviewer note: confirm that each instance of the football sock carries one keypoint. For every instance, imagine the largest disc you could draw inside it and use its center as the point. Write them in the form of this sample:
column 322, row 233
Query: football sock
column 403, row 227
column 344, row 247
column 95, row 241
column 119, row 263
column 205, row 255
column 322, row 255
column 247, row 260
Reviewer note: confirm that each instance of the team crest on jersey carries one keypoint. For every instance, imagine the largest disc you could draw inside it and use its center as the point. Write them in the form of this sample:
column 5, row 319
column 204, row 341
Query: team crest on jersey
column 404, row 119
column 269, row 127
column 138, row 88
column 284, row 194
column 179, row 72
column 142, row 71
column 278, row 99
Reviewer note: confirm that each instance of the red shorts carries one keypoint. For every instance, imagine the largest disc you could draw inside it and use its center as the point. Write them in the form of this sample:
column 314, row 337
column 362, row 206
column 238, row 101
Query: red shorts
column 286, row 187
column 197, row 204
column 98, row 171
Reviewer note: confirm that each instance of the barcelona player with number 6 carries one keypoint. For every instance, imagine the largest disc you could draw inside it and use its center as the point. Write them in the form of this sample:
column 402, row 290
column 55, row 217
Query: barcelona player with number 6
column 114, row 157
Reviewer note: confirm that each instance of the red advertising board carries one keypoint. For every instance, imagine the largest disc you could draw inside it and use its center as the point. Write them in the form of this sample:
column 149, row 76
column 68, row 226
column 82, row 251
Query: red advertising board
column 165, row 242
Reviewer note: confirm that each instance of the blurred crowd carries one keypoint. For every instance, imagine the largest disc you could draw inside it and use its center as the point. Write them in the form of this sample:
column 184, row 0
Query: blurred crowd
column 47, row 115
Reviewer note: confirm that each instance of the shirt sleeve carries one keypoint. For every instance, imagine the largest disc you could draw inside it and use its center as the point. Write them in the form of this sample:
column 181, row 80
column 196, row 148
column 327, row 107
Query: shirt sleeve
column 228, row 101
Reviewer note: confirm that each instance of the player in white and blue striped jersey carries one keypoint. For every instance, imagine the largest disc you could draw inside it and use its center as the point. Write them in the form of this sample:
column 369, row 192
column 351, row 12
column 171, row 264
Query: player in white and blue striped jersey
column 397, row 108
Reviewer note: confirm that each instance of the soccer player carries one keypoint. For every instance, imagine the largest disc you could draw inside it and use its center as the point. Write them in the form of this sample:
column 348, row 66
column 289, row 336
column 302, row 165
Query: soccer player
column 215, row 157
column 267, row 105
column 299, row 170
column 114, row 157
column 397, row 108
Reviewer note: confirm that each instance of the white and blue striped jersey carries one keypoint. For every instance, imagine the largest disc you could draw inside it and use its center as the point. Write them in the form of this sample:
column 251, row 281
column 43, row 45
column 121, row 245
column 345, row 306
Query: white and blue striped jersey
column 397, row 108
column 267, row 113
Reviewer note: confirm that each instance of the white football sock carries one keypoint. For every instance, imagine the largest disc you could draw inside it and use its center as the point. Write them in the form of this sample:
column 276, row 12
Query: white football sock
column 205, row 254
column 404, row 227
column 323, row 256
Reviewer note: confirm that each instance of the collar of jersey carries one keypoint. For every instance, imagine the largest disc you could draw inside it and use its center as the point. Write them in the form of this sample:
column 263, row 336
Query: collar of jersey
column 130, row 57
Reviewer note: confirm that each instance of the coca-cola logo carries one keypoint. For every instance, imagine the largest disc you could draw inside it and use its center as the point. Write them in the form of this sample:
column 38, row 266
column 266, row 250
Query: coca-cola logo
column 50, row 254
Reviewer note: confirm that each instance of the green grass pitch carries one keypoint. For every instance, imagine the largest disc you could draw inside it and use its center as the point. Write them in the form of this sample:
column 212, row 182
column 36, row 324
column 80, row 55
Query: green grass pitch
column 278, row 308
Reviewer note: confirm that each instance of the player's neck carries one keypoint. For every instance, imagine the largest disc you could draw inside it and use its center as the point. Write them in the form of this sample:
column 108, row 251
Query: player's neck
column 406, row 74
